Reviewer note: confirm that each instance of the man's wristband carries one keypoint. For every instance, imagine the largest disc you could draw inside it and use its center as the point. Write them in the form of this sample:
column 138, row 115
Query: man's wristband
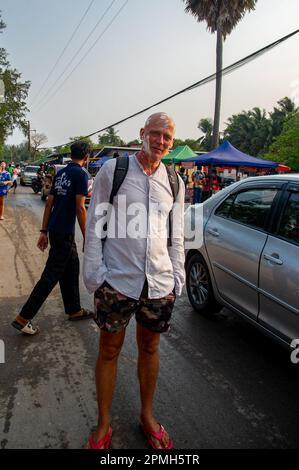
column 43, row 231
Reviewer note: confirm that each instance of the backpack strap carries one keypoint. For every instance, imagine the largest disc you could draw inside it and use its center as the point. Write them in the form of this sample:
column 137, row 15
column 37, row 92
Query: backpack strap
column 120, row 172
column 175, row 186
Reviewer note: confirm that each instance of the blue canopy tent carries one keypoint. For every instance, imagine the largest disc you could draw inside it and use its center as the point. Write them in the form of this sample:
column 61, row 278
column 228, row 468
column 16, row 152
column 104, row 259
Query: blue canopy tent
column 227, row 155
column 99, row 162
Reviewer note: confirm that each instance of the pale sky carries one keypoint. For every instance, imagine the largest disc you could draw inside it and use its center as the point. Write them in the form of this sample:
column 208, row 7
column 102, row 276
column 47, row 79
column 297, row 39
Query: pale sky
column 151, row 50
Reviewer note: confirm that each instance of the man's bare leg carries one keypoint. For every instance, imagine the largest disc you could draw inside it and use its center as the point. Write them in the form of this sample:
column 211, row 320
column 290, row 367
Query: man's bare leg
column 148, row 369
column 110, row 347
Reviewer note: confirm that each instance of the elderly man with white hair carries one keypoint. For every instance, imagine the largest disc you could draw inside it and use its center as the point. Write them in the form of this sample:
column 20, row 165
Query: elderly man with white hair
column 134, row 265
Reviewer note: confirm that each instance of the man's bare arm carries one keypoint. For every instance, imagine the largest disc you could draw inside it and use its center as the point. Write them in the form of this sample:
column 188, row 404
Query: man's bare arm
column 43, row 238
column 81, row 212
column 47, row 212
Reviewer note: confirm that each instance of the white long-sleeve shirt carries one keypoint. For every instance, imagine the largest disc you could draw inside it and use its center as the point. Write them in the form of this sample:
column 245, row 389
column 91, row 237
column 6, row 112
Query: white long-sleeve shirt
column 138, row 249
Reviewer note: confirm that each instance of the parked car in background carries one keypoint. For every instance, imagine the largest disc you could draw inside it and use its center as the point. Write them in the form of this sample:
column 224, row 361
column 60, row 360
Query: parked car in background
column 249, row 258
column 27, row 174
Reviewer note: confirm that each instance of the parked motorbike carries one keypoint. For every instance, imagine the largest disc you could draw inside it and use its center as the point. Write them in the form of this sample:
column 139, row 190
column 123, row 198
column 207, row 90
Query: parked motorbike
column 36, row 185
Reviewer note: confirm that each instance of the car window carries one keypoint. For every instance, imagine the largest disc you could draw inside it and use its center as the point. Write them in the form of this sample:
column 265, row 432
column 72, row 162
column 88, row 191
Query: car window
column 224, row 208
column 289, row 225
column 249, row 207
column 31, row 169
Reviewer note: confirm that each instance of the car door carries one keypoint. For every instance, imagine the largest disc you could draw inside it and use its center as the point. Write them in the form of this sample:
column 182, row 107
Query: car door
column 279, row 271
column 235, row 235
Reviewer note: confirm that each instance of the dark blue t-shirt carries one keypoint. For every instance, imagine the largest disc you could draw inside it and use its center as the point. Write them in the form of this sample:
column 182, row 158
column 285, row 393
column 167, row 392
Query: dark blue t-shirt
column 70, row 181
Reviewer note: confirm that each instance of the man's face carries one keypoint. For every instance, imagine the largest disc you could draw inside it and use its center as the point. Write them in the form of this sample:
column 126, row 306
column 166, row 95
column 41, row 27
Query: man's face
column 3, row 166
column 157, row 136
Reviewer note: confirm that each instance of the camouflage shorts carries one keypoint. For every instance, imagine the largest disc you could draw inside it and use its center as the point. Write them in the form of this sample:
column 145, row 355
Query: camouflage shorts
column 113, row 310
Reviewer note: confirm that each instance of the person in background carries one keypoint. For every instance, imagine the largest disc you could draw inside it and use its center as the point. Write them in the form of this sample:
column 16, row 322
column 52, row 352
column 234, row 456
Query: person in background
column 197, row 178
column 15, row 174
column 183, row 175
column 10, row 169
column 64, row 204
column 5, row 181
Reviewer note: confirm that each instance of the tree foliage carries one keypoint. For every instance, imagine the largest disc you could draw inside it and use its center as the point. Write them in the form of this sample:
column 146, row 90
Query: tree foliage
column 192, row 143
column 110, row 137
column 250, row 131
column 221, row 16
column 254, row 131
column 285, row 148
column 13, row 109
column 206, row 127
column 225, row 14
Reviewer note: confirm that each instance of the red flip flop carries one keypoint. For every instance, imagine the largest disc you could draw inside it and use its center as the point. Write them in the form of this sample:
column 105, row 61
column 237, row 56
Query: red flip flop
column 102, row 444
column 157, row 435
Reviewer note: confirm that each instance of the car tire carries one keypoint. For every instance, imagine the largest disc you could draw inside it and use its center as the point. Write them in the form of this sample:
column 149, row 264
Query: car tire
column 199, row 286
column 22, row 183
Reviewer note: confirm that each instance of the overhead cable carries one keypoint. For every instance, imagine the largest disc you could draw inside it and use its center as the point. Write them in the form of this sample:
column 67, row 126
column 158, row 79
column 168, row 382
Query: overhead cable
column 229, row 69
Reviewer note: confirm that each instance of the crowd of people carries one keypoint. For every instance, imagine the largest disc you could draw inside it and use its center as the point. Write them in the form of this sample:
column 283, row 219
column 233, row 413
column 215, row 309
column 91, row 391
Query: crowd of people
column 203, row 185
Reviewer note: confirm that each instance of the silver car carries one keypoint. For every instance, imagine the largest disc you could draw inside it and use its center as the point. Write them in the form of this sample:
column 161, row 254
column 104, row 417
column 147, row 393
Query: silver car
column 249, row 257
column 27, row 174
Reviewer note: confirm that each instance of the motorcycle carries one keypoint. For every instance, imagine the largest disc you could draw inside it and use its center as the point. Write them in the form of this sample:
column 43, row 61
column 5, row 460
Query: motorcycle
column 36, row 185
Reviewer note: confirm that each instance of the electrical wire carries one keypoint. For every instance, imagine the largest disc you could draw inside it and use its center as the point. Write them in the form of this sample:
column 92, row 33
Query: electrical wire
column 229, row 69
column 63, row 51
column 48, row 98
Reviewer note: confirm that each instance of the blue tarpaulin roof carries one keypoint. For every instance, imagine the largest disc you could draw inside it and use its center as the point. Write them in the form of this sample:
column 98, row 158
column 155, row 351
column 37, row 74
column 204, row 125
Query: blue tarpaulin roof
column 99, row 162
column 227, row 155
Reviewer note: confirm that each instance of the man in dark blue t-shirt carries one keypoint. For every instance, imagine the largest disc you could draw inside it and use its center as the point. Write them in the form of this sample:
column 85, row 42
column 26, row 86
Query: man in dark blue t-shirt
column 65, row 203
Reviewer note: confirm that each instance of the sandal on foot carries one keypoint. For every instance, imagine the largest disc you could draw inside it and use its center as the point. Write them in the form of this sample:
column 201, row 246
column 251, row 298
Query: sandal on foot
column 149, row 434
column 27, row 329
column 81, row 315
column 103, row 443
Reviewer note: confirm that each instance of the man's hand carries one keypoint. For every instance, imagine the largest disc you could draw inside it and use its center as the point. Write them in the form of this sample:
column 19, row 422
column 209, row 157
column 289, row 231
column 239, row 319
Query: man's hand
column 42, row 243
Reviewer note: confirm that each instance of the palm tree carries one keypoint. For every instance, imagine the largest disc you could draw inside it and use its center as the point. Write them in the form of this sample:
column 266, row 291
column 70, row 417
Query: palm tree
column 206, row 127
column 221, row 17
column 110, row 137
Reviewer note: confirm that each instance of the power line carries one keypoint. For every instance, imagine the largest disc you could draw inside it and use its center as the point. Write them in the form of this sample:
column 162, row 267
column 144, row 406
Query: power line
column 229, row 69
column 42, row 104
column 63, row 51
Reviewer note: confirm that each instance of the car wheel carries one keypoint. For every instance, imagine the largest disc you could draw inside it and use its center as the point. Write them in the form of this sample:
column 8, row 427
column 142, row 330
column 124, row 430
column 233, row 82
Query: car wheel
column 199, row 286
column 22, row 183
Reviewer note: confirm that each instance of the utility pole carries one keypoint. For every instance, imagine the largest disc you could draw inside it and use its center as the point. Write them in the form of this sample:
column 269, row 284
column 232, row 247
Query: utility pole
column 29, row 138
column 29, row 142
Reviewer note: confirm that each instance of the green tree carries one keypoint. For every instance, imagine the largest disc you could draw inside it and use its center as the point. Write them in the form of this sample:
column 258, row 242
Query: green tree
column 249, row 131
column 206, row 127
column 280, row 113
column 221, row 16
column 134, row 143
column 285, row 148
column 192, row 143
column 110, row 137
column 16, row 153
column 13, row 107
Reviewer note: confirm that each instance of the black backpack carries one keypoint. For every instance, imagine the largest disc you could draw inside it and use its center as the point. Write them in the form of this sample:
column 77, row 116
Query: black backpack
column 120, row 172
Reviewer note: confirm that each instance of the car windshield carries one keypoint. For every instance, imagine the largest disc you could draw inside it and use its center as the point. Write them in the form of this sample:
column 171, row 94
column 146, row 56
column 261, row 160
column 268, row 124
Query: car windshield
column 31, row 169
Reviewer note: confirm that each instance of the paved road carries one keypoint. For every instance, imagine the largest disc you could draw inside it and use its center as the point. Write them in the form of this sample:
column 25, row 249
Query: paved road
column 221, row 385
